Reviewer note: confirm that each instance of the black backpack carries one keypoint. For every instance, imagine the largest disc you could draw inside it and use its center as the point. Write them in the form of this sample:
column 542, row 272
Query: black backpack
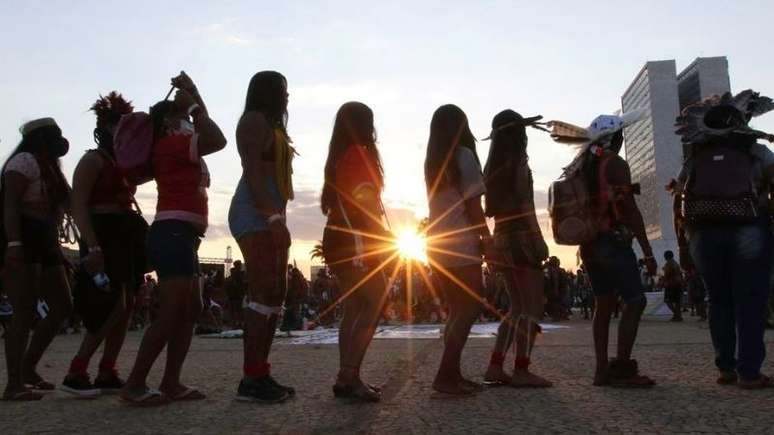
column 720, row 186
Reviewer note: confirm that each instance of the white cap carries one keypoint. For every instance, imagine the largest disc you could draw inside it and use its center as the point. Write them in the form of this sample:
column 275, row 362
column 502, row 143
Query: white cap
column 35, row 124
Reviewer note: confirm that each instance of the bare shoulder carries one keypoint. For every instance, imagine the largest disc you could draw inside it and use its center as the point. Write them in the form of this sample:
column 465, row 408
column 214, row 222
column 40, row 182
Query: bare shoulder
column 91, row 161
column 253, row 121
column 92, row 158
column 253, row 128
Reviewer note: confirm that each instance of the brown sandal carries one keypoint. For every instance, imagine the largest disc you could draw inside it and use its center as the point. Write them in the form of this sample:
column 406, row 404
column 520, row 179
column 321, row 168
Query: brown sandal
column 361, row 392
column 625, row 374
column 757, row 384
column 459, row 389
column 23, row 396
column 727, row 378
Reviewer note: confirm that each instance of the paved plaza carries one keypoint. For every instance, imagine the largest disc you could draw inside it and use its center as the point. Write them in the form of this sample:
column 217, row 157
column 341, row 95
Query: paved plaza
column 677, row 355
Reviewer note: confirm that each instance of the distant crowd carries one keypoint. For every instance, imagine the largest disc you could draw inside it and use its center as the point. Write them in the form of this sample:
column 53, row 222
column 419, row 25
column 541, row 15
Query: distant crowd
column 722, row 216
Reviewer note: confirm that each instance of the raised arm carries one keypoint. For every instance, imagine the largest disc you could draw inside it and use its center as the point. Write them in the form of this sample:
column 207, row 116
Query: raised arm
column 211, row 139
column 187, row 98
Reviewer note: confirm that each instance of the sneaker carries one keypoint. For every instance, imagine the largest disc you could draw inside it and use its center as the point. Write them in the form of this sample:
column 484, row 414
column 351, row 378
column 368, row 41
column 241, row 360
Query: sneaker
column 80, row 385
column 109, row 384
column 260, row 390
column 291, row 391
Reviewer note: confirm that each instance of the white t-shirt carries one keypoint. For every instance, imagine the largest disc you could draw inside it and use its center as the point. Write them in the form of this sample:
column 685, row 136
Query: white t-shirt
column 448, row 214
column 26, row 165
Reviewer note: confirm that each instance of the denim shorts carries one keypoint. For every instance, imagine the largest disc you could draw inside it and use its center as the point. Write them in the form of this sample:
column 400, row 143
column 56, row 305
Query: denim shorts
column 173, row 247
column 612, row 268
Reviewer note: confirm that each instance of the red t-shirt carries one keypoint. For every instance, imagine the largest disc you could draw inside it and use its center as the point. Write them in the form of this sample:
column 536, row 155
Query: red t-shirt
column 111, row 187
column 356, row 169
column 181, row 179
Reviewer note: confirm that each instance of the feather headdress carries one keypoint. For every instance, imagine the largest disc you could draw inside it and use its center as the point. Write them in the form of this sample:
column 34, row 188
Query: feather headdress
column 721, row 115
column 110, row 108
column 599, row 131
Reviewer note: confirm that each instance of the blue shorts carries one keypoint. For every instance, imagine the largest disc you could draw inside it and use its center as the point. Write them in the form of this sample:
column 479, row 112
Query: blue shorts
column 173, row 247
column 612, row 268
column 243, row 217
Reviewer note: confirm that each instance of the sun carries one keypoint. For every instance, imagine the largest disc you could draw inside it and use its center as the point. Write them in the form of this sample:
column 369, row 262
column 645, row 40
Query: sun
column 411, row 245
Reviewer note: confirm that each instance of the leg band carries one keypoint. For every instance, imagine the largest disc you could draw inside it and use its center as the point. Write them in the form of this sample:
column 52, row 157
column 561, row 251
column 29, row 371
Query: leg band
column 498, row 358
column 79, row 365
column 521, row 364
column 257, row 370
column 106, row 366
column 261, row 309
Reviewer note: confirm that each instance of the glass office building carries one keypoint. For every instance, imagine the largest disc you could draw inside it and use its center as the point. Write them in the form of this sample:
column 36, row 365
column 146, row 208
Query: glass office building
column 654, row 152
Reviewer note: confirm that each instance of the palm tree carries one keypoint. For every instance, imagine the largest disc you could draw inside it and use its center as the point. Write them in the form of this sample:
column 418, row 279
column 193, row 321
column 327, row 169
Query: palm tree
column 422, row 225
column 317, row 252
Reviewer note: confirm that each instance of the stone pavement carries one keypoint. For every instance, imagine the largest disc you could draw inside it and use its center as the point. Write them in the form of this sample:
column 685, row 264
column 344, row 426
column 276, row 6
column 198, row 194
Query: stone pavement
column 678, row 356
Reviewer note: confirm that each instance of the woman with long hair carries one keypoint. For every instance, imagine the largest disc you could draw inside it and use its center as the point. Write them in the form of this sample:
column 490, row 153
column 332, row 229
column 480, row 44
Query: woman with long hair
column 34, row 195
column 112, row 245
column 174, row 237
column 353, row 240
column 510, row 201
column 458, row 235
column 257, row 222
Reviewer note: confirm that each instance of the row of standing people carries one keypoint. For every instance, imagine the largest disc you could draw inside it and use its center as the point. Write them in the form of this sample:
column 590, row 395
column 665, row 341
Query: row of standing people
column 36, row 192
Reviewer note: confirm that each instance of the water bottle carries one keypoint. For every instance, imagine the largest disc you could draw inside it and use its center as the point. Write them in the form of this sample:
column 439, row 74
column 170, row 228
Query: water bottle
column 102, row 281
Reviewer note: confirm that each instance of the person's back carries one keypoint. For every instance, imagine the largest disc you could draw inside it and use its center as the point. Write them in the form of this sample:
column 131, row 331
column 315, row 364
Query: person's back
column 609, row 259
column 672, row 281
column 722, row 218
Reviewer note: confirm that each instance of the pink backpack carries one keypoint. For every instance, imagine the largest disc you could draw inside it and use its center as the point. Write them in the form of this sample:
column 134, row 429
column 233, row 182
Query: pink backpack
column 133, row 145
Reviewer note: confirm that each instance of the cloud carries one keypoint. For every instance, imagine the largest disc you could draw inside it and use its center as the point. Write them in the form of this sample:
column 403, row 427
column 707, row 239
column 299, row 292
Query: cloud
column 333, row 94
column 236, row 40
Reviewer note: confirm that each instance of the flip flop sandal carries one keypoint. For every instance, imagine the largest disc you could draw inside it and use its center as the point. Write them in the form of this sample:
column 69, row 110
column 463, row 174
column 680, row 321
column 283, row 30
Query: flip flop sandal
column 637, row 381
column 42, row 385
column 727, row 378
column 189, row 394
column 474, row 386
column 23, row 396
column 149, row 398
column 376, row 388
column 493, row 383
column 352, row 392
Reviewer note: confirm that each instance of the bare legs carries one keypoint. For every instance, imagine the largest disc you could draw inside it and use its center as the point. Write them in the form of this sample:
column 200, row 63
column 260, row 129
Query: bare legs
column 55, row 290
column 113, row 333
column 179, row 306
column 266, row 287
column 17, row 336
column 627, row 332
column 463, row 311
column 525, row 288
column 26, row 284
column 362, row 309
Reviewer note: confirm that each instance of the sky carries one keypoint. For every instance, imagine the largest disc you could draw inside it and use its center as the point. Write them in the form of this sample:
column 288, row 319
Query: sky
column 566, row 60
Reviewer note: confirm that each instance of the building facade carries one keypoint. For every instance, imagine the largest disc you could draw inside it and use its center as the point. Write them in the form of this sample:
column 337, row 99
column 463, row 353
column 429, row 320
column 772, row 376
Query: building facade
column 653, row 150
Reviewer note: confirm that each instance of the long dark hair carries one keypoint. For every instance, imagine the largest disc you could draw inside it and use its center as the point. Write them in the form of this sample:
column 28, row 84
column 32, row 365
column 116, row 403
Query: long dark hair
column 158, row 113
column 507, row 152
column 266, row 94
column 591, row 165
column 39, row 142
column 448, row 130
column 354, row 126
